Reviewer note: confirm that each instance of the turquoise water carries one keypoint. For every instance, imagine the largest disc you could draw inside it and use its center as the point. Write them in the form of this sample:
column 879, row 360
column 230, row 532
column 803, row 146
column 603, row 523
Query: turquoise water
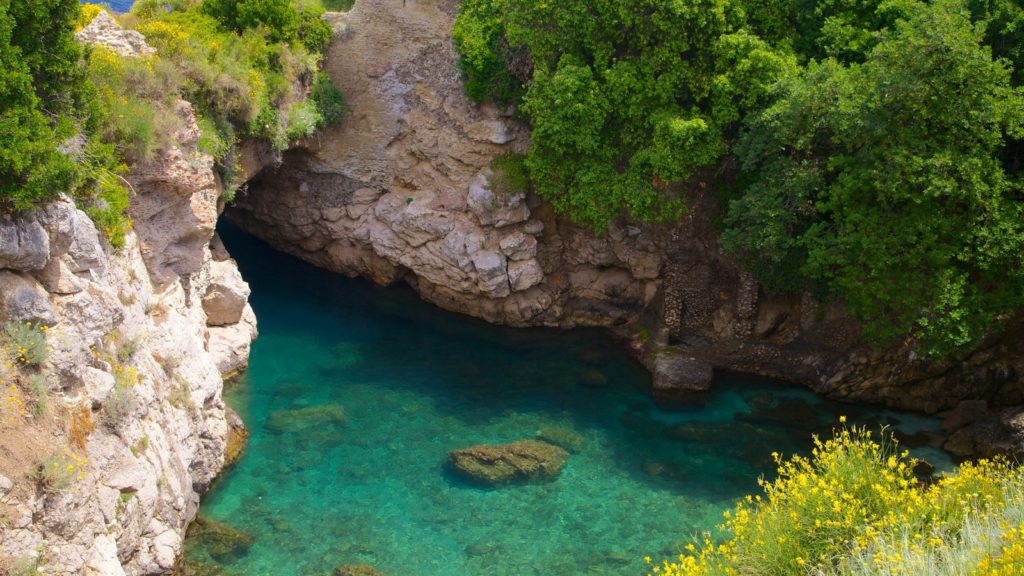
column 416, row 382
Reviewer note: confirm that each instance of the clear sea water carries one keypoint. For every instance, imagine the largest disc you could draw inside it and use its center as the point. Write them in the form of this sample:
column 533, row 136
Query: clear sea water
column 416, row 382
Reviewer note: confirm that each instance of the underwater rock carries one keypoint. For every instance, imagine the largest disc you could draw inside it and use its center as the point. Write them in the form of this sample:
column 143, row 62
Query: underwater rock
column 794, row 414
column 221, row 541
column 356, row 570
column 562, row 436
column 485, row 549
column 238, row 437
column 192, row 567
column 593, row 378
column 289, row 419
column 680, row 380
column 498, row 464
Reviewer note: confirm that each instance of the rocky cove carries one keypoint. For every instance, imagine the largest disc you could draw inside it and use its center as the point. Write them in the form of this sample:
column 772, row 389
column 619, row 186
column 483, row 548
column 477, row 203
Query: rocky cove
column 401, row 193
column 388, row 433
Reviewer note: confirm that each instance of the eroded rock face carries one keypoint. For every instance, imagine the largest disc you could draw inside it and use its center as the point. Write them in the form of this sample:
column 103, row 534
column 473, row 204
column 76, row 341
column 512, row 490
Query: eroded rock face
column 160, row 306
column 401, row 190
column 500, row 464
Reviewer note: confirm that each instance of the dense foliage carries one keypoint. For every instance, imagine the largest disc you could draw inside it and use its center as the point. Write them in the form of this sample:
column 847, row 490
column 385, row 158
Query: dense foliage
column 855, row 508
column 72, row 119
column 875, row 146
column 38, row 92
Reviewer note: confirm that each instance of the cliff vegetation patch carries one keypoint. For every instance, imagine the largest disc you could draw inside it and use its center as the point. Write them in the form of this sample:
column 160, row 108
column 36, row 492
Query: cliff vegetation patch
column 76, row 118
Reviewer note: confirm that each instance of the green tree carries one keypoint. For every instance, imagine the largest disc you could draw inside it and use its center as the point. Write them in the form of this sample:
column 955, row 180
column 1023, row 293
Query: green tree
column 39, row 88
column 626, row 97
column 885, row 182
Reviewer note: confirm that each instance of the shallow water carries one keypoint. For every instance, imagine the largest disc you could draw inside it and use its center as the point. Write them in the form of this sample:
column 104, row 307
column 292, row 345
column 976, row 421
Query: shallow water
column 416, row 382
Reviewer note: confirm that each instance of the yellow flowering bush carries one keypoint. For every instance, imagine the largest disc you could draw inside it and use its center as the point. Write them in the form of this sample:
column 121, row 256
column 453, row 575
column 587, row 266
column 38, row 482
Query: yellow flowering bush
column 59, row 470
column 89, row 11
column 25, row 342
column 13, row 407
column 855, row 507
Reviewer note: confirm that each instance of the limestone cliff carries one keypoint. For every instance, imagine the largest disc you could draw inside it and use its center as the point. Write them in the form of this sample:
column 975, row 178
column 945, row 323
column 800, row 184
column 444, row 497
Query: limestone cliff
column 402, row 192
column 139, row 339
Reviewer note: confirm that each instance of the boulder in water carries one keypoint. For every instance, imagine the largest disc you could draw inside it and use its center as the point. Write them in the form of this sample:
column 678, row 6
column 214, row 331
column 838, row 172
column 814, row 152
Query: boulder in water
column 680, row 380
column 499, row 464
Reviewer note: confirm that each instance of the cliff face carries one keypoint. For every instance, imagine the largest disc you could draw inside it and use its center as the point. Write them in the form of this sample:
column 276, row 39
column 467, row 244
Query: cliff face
column 402, row 192
column 139, row 340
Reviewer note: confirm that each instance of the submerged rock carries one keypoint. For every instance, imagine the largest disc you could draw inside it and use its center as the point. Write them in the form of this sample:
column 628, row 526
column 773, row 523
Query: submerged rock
column 356, row 570
column 593, row 379
column 298, row 418
column 238, row 438
column 498, row 464
column 562, row 436
column 221, row 541
column 192, row 567
column 680, row 380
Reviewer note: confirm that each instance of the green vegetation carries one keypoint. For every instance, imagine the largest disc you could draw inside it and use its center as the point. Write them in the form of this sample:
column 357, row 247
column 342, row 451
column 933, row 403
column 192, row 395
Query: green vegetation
column 885, row 180
column 73, row 119
column 39, row 392
column 510, row 174
column 337, row 5
column 856, row 508
column 26, row 343
column 873, row 150
column 58, row 471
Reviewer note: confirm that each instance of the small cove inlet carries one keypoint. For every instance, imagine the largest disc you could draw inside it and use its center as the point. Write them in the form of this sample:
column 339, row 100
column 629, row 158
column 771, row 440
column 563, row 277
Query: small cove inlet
column 392, row 384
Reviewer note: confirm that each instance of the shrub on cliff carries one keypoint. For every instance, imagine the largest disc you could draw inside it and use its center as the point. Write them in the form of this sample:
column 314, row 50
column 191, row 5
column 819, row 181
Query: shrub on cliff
column 26, row 342
column 855, row 507
column 328, row 99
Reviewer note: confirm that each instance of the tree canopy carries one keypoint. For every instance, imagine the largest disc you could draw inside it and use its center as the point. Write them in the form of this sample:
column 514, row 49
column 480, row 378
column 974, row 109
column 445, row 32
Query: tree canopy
column 39, row 90
column 879, row 143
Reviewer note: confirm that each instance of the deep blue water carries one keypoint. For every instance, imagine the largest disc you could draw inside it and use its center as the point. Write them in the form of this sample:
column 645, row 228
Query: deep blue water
column 416, row 382
column 117, row 5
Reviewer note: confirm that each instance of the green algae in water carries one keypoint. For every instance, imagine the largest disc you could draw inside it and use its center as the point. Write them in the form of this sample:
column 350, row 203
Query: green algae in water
column 356, row 394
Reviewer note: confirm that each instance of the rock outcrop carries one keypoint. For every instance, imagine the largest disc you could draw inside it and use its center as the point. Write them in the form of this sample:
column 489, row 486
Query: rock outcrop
column 680, row 380
column 500, row 464
column 139, row 339
column 105, row 31
column 404, row 191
